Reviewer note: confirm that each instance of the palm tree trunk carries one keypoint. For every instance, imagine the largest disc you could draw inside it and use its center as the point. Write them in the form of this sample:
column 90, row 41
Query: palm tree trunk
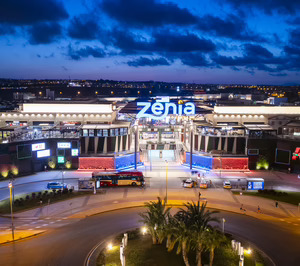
column 211, row 256
column 154, row 240
column 168, row 241
column 184, row 254
column 199, row 254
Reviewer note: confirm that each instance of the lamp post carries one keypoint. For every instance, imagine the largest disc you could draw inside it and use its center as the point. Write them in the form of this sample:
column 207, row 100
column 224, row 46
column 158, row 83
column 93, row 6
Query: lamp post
column 223, row 224
column 135, row 146
column 10, row 186
column 166, row 181
column 191, row 148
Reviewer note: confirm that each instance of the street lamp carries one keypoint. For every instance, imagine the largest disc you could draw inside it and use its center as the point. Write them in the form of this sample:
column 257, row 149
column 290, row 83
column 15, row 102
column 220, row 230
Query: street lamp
column 10, row 186
column 223, row 224
column 191, row 147
column 166, row 181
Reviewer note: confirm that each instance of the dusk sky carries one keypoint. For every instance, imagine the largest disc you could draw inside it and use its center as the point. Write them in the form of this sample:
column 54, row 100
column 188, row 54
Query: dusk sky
column 202, row 41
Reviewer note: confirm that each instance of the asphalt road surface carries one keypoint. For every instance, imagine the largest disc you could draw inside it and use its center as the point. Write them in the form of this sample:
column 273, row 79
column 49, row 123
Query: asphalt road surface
column 69, row 245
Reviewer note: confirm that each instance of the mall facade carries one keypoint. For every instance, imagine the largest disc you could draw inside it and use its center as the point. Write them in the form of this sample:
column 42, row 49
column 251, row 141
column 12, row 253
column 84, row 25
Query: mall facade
column 123, row 133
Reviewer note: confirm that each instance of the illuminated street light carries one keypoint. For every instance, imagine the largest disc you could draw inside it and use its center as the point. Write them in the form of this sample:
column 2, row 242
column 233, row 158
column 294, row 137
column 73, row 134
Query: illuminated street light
column 110, row 246
column 248, row 251
column 144, row 230
column 10, row 186
column 166, row 181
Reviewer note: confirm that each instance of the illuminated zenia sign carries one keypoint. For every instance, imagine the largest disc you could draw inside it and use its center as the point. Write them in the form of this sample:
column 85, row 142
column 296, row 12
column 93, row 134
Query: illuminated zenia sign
column 162, row 110
column 63, row 145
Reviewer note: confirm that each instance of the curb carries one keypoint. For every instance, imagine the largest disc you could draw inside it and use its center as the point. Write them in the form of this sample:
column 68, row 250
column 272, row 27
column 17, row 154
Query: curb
column 23, row 238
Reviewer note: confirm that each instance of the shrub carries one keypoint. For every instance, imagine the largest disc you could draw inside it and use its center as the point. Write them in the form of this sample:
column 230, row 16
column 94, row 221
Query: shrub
column 65, row 191
column 21, row 201
column 27, row 198
column 17, row 202
column 33, row 195
column 71, row 190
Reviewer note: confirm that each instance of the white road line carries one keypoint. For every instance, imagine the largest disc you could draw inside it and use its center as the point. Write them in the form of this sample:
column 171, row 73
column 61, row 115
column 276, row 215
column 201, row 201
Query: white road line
column 52, row 222
column 30, row 229
column 44, row 224
column 58, row 220
column 33, row 222
column 38, row 227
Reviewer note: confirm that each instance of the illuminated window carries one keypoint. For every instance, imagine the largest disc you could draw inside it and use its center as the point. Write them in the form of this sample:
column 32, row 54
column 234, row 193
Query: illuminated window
column 99, row 132
column 105, row 132
column 91, row 133
column 85, row 133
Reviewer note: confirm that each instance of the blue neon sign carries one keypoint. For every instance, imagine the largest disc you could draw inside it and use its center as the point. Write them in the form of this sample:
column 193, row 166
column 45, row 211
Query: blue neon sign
column 160, row 110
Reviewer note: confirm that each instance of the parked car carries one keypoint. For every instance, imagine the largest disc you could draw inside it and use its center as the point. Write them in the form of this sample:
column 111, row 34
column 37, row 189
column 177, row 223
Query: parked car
column 56, row 185
column 227, row 184
column 203, row 183
column 189, row 183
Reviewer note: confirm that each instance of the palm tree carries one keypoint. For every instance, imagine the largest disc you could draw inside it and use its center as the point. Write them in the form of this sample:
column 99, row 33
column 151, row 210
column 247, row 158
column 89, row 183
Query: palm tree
column 198, row 218
column 182, row 234
column 155, row 218
column 213, row 239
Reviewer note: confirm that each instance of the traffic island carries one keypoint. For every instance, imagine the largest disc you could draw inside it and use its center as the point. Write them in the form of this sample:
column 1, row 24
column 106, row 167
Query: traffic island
column 6, row 236
column 141, row 251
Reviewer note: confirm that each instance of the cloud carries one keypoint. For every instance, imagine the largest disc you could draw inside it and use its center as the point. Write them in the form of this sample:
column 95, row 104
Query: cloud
column 278, row 74
column 77, row 54
column 144, row 61
column 194, row 60
column 6, row 29
column 257, row 50
column 189, row 42
column 83, row 27
column 147, row 13
column 295, row 37
column 24, row 12
column 231, row 27
column 44, row 33
column 268, row 6
column 294, row 21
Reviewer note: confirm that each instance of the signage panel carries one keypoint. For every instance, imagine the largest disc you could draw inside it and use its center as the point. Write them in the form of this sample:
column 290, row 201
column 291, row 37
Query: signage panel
column 60, row 159
column 160, row 110
column 254, row 185
column 38, row 146
column 74, row 152
column 43, row 153
column 64, row 145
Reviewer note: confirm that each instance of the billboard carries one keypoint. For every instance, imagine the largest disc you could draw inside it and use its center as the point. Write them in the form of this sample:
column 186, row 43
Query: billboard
column 74, row 152
column 255, row 185
column 63, row 145
column 43, row 153
column 38, row 146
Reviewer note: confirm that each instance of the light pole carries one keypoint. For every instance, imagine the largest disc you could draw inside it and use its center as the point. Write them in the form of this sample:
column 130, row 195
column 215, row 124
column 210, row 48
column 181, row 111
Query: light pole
column 223, row 224
column 191, row 148
column 10, row 185
column 166, row 181
column 221, row 164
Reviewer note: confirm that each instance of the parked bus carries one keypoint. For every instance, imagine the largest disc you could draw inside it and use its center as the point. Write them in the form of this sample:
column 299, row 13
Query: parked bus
column 106, row 179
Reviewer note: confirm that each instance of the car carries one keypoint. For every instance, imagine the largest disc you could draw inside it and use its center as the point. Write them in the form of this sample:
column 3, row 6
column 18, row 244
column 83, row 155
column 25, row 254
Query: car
column 227, row 184
column 56, row 185
column 203, row 183
column 189, row 183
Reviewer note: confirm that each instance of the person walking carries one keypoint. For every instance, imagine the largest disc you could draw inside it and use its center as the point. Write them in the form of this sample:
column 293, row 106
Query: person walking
column 258, row 209
column 276, row 204
column 241, row 207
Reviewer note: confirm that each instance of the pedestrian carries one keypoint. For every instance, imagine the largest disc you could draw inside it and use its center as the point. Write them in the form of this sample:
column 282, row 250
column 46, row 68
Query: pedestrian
column 199, row 196
column 276, row 204
column 241, row 207
column 258, row 209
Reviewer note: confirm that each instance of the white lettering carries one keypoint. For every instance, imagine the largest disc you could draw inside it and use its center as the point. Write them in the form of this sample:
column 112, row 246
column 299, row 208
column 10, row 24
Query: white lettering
column 161, row 110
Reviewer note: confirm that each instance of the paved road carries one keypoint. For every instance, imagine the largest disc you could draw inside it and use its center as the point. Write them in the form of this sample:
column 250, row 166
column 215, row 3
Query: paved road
column 155, row 179
column 69, row 244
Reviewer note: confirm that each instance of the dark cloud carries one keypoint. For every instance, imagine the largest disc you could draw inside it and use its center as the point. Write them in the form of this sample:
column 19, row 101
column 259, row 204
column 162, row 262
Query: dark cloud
column 231, row 27
column 292, row 50
column 173, row 42
column 257, row 50
column 144, row 61
column 44, row 33
column 294, row 21
column 295, row 37
column 6, row 29
column 268, row 6
column 27, row 12
column 278, row 74
column 77, row 54
column 194, row 60
column 149, row 13
column 83, row 27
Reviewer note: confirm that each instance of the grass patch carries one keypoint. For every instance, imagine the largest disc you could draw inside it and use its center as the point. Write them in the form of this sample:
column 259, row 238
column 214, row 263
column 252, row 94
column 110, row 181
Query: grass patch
column 288, row 197
column 28, row 201
column 141, row 252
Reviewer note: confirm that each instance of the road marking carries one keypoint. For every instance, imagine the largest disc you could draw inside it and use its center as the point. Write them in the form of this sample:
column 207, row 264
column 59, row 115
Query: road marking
column 52, row 222
column 44, row 224
column 24, row 224
column 33, row 222
column 295, row 224
column 282, row 220
column 30, row 229
column 115, row 201
column 65, row 218
column 38, row 227
column 58, row 220
column 48, row 218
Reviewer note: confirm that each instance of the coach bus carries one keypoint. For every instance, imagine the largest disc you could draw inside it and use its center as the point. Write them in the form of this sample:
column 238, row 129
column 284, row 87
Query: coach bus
column 108, row 179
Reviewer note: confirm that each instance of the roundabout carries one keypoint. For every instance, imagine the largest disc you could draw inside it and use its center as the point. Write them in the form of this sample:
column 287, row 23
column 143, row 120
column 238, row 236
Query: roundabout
column 70, row 244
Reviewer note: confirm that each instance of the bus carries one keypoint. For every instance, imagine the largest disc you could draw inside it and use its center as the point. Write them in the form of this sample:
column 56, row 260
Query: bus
column 112, row 179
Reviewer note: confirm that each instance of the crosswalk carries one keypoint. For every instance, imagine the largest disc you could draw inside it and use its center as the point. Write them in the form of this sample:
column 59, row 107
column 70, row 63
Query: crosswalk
column 35, row 223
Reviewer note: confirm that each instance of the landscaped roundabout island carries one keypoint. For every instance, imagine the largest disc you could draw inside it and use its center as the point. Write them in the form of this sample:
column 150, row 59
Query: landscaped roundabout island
column 190, row 236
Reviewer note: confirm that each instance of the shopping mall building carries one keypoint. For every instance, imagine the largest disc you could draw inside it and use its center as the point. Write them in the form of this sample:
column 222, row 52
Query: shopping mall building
column 126, row 133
